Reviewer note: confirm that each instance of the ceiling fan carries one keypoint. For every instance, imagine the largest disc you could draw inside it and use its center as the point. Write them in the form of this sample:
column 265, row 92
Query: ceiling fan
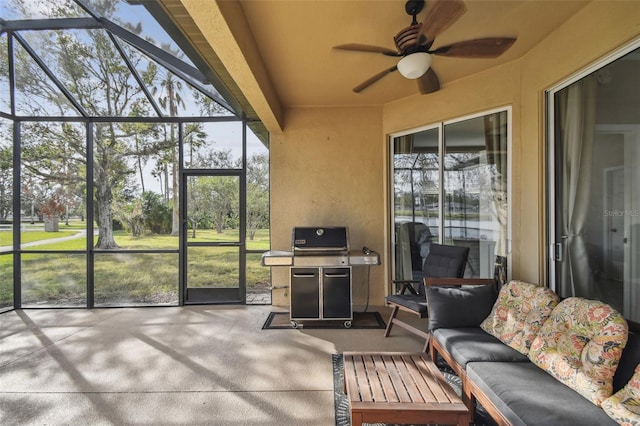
column 414, row 45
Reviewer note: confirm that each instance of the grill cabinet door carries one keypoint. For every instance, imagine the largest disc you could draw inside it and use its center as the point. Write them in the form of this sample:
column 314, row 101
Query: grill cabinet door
column 305, row 293
column 336, row 293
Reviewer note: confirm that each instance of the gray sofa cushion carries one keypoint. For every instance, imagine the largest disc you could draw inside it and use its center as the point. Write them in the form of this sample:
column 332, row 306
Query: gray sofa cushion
column 474, row 344
column 455, row 307
column 527, row 395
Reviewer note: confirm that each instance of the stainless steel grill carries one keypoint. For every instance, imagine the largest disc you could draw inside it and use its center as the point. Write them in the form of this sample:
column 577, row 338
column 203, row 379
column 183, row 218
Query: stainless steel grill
column 320, row 263
column 317, row 246
column 320, row 246
column 314, row 240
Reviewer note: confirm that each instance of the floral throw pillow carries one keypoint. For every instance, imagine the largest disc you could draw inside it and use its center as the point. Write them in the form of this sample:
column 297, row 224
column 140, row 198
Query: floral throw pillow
column 580, row 345
column 624, row 405
column 518, row 314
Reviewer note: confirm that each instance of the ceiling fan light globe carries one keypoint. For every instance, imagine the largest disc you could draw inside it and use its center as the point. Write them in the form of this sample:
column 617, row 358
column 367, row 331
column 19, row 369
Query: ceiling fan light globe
column 414, row 65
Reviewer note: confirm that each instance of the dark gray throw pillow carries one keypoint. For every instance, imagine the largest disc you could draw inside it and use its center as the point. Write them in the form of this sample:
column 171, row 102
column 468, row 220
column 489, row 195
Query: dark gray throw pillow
column 457, row 307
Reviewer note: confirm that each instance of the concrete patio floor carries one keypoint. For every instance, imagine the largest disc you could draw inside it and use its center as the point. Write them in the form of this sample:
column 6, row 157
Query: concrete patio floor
column 196, row 365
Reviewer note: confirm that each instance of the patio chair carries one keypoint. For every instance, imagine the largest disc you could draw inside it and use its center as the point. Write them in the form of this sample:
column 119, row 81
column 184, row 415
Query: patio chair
column 443, row 261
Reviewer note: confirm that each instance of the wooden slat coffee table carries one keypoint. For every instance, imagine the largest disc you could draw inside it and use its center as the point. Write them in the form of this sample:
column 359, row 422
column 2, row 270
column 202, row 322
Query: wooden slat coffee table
column 397, row 387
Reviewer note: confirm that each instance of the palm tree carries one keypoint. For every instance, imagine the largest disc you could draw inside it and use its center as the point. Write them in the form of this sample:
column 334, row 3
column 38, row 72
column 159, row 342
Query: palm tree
column 170, row 100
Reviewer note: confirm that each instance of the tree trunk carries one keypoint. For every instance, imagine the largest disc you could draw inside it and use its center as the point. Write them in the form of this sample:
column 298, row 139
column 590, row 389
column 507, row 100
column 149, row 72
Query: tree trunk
column 103, row 201
column 194, row 225
column 141, row 173
column 175, row 227
column 166, row 182
column 220, row 223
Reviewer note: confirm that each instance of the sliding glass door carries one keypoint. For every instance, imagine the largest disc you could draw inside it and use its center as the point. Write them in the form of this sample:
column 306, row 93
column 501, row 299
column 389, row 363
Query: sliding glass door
column 594, row 197
column 450, row 186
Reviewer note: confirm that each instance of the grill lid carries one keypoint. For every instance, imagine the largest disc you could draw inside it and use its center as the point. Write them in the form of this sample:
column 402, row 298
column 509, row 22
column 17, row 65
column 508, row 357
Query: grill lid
column 320, row 240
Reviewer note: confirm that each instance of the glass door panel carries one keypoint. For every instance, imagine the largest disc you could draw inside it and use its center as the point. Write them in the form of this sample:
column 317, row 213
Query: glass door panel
column 213, row 239
column 475, row 190
column 416, row 194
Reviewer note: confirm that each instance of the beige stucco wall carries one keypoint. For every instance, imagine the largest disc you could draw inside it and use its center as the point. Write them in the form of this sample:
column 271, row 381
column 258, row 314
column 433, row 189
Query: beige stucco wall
column 330, row 165
column 327, row 169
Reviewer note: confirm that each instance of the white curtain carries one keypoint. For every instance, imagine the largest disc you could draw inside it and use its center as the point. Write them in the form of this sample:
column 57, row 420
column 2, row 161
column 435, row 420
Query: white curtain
column 576, row 117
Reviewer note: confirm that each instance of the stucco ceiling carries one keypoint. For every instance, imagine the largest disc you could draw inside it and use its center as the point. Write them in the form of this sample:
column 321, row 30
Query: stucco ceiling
column 293, row 40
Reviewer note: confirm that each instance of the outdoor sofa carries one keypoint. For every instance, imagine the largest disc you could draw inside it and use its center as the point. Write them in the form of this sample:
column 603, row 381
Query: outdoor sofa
column 531, row 359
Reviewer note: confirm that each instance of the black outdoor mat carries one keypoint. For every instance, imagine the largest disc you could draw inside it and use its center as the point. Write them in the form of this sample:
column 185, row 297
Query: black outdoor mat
column 343, row 417
column 281, row 320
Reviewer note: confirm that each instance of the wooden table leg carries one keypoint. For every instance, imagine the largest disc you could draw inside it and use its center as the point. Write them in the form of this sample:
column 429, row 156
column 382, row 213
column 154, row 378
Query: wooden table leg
column 356, row 419
column 464, row 420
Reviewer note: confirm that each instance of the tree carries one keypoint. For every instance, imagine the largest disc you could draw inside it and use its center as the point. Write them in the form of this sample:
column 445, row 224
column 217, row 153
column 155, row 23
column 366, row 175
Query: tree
column 257, row 194
column 221, row 193
column 101, row 84
column 170, row 99
column 157, row 213
column 144, row 136
column 91, row 68
column 197, row 203
column 6, row 182
column 132, row 216
column 214, row 197
column 52, row 206
column 53, row 161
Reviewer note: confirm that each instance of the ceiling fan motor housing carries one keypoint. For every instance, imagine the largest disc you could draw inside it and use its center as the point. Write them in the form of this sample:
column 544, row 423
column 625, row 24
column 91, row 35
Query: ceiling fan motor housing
column 407, row 38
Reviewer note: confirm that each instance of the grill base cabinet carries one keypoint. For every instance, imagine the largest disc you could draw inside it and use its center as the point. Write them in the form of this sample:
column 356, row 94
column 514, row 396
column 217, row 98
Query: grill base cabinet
column 320, row 293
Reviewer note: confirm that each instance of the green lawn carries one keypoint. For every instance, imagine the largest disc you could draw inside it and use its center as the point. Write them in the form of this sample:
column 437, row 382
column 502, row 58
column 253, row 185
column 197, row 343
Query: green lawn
column 120, row 278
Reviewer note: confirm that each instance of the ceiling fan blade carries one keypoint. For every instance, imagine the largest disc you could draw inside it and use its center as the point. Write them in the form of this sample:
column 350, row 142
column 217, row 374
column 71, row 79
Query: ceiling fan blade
column 429, row 82
column 440, row 15
column 477, row 48
column 359, row 88
column 367, row 48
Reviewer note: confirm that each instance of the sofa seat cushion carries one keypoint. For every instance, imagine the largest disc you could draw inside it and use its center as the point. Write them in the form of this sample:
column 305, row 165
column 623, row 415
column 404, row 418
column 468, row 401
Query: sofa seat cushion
column 473, row 344
column 624, row 405
column 527, row 395
column 580, row 345
column 519, row 312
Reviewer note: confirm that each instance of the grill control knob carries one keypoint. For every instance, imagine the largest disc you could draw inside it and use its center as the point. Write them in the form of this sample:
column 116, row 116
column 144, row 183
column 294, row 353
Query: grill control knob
column 319, row 232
